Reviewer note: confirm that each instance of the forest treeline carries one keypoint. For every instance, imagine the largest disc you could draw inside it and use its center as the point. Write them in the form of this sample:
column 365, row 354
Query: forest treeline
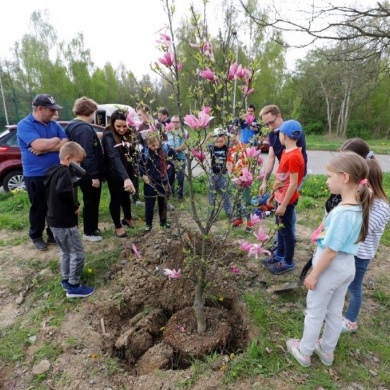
column 342, row 89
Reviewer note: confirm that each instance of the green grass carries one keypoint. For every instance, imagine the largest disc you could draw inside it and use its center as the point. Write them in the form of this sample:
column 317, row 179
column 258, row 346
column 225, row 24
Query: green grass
column 323, row 142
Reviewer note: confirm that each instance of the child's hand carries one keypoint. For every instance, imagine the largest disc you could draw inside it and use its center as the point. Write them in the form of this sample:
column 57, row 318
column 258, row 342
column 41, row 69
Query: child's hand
column 146, row 179
column 280, row 210
column 310, row 282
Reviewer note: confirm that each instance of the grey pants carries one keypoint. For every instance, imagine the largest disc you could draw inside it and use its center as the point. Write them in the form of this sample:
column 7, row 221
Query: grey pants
column 71, row 252
column 326, row 303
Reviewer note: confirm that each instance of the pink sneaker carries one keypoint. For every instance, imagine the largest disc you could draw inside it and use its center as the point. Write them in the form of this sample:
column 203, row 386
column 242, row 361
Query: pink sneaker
column 293, row 348
column 349, row 326
column 327, row 358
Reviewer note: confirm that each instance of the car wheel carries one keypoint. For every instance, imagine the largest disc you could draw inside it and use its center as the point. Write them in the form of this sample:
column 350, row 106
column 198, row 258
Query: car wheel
column 14, row 181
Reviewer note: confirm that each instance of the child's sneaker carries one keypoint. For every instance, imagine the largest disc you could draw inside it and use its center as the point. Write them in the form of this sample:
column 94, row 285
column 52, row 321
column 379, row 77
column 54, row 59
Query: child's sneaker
column 349, row 326
column 270, row 260
column 80, row 291
column 327, row 358
column 65, row 284
column 237, row 222
column 293, row 348
column 281, row 267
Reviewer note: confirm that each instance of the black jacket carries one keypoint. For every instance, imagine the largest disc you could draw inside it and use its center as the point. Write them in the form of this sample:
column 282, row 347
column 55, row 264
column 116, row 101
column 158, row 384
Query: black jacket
column 84, row 134
column 61, row 197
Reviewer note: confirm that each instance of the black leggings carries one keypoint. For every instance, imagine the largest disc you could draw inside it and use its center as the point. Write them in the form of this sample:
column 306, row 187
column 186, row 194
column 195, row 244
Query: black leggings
column 118, row 198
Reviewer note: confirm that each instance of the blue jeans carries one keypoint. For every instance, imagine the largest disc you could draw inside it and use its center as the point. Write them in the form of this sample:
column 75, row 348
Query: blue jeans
column 286, row 234
column 355, row 290
column 218, row 183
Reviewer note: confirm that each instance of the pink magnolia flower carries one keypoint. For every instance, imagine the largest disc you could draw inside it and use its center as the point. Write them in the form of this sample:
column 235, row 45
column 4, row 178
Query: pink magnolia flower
column 234, row 270
column 245, row 246
column 245, row 180
column 191, row 121
column 164, row 40
column 232, row 71
column 132, row 119
column 247, row 91
column 206, row 110
column 260, row 160
column 135, row 250
column 167, row 59
column 198, row 154
column 208, row 74
column 204, row 119
column 256, row 250
column 241, row 72
column 172, row 273
column 252, row 152
column 179, row 66
column 255, row 219
column 208, row 50
column 260, row 235
column 168, row 126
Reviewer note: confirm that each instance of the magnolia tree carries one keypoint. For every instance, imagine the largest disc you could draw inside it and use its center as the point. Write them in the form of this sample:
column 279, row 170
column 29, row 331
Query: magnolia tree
column 212, row 93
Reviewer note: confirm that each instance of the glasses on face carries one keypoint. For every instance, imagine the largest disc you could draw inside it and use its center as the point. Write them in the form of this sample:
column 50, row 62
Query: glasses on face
column 268, row 124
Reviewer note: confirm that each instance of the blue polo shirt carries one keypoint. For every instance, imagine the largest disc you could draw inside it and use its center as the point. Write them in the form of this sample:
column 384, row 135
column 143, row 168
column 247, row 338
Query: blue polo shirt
column 29, row 129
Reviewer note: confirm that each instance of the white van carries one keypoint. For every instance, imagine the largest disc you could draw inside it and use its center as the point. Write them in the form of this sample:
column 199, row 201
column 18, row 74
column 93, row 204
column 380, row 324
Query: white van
column 104, row 111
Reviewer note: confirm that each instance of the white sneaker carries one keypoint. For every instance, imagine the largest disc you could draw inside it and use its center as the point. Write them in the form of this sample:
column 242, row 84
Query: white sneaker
column 293, row 347
column 92, row 238
column 139, row 203
column 171, row 207
column 327, row 358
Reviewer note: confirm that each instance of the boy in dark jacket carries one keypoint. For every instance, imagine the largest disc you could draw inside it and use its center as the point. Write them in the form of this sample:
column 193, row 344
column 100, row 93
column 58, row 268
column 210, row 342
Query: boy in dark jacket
column 153, row 169
column 63, row 209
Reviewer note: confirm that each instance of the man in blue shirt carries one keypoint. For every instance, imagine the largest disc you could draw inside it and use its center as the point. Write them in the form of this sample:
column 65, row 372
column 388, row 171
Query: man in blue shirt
column 249, row 130
column 40, row 138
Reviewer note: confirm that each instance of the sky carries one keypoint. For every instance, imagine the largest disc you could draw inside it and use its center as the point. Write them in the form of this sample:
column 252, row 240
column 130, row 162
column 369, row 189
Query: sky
column 117, row 31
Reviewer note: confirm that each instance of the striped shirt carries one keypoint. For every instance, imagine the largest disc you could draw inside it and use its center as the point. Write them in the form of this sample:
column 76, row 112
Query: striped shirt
column 379, row 216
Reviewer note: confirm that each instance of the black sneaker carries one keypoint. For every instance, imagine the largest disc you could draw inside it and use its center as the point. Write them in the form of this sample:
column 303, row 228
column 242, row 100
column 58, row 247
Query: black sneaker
column 51, row 241
column 39, row 244
column 165, row 225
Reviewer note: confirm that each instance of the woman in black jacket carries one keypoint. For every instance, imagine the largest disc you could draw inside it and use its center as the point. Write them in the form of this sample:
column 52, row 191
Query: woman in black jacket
column 119, row 155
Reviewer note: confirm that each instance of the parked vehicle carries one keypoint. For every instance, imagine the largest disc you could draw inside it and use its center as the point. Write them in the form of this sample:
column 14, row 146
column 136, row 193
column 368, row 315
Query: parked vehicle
column 104, row 111
column 11, row 171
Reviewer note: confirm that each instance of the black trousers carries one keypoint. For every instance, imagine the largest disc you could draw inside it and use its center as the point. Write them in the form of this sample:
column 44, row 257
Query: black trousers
column 119, row 198
column 152, row 192
column 38, row 209
column 91, row 200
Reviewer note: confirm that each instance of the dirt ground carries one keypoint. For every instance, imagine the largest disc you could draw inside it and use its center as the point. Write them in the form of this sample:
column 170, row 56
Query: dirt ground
column 138, row 316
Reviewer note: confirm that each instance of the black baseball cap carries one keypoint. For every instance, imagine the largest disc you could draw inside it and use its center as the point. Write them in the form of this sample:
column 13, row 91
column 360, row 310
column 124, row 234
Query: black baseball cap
column 45, row 100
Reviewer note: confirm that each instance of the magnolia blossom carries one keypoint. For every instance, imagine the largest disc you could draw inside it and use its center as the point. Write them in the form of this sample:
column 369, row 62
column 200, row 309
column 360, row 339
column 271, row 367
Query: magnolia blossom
column 132, row 119
column 247, row 91
column 169, row 126
column 234, row 270
column 245, row 180
column 260, row 160
column 252, row 152
column 204, row 119
column 255, row 219
column 206, row 110
column 207, row 49
column 167, row 59
column 198, row 154
column 179, row 66
column 256, row 250
column 260, row 235
column 172, row 273
column 249, row 118
column 208, row 74
column 164, row 39
column 135, row 250
column 245, row 246
column 191, row 121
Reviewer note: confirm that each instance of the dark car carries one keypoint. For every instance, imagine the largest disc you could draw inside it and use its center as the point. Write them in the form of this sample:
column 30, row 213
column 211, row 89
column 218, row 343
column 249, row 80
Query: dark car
column 11, row 171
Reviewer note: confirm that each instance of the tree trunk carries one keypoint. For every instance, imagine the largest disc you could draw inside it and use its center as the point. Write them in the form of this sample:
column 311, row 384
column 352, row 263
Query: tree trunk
column 199, row 307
